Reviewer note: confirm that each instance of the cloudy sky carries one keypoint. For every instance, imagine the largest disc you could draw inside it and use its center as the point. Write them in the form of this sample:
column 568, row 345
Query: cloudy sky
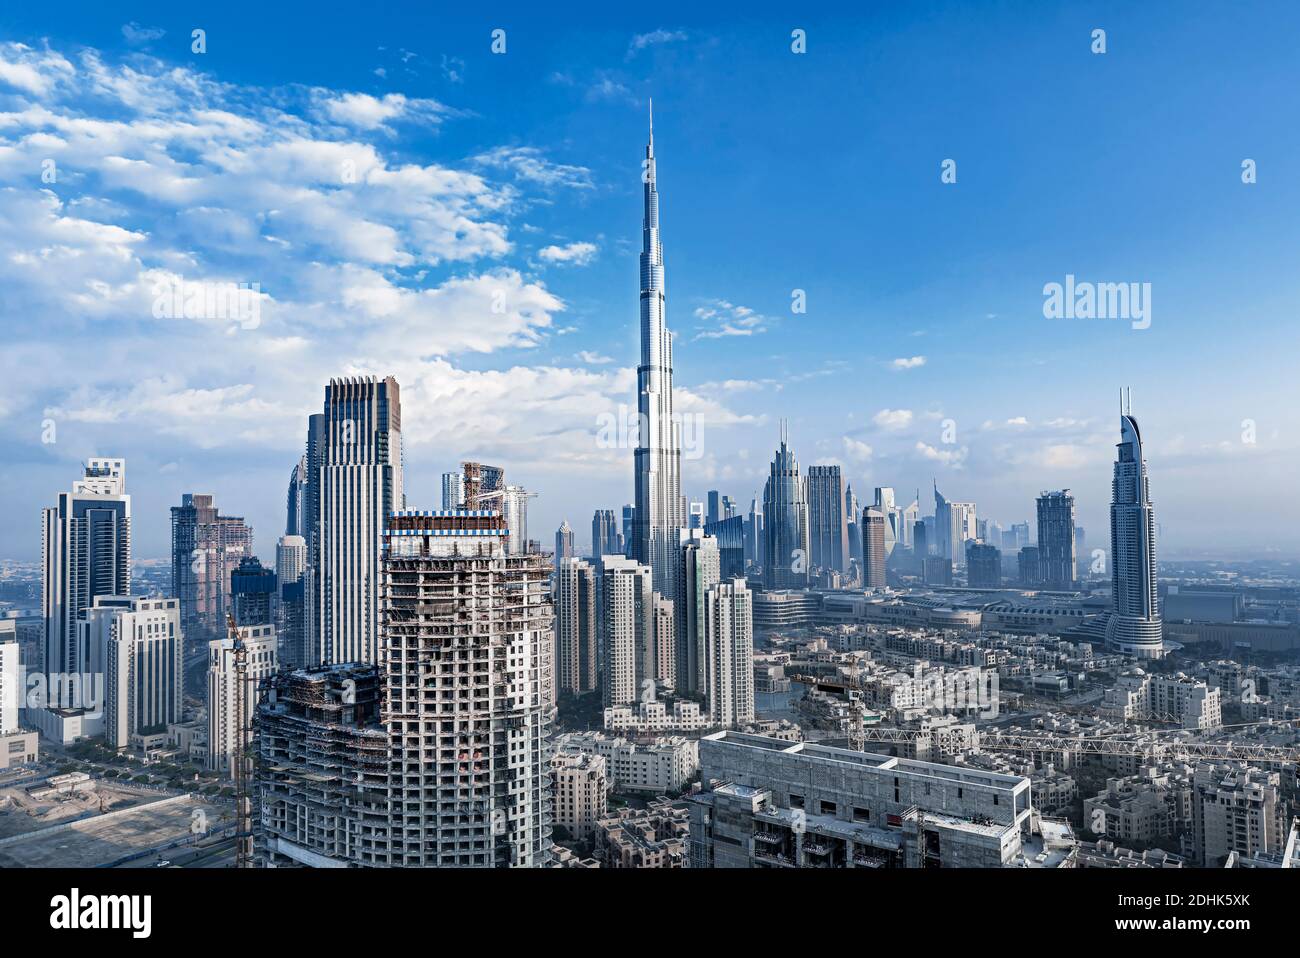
column 409, row 202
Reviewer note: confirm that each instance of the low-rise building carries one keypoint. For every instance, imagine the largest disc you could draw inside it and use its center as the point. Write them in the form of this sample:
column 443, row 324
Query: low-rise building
column 662, row 765
column 656, row 717
column 653, row 837
column 772, row 804
column 1138, row 696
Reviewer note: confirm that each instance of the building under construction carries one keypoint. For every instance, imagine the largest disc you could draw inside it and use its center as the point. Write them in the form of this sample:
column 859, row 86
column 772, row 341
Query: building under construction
column 468, row 660
column 322, row 770
column 440, row 755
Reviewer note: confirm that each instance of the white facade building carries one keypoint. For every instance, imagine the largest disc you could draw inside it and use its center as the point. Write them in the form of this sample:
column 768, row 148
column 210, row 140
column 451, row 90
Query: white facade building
column 664, row 765
column 223, row 720
column 729, row 654
column 627, row 632
column 580, row 792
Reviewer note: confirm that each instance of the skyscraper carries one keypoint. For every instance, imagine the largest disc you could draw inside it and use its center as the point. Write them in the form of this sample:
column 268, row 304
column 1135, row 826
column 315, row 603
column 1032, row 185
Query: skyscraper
column 291, row 620
column 85, row 553
column 699, row 565
column 478, row 483
column 754, row 533
column 628, row 530
column 360, row 486
column 207, row 547
column 137, row 643
column 659, row 511
column 910, row 514
column 1056, row 556
column 1135, row 626
column 885, row 503
column 563, row 542
column 462, row 614
column 983, row 566
column 453, row 490
column 728, row 660
column 514, row 505
column 604, row 534
column 627, row 632
column 828, row 533
column 853, row 513
column 1029, row 567
column 730, row 534
column 714, row 513
column 785, row 523
column 873, row 548
column 252, row 587
column 955, row 523
column 296, row 504
column 576, row 629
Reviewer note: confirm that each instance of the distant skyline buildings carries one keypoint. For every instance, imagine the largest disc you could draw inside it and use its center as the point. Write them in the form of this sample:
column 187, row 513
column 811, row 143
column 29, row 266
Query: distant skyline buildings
column 1056, row 540
column 563, row 542
column 874, row 549
column 207, row 547
column 605, row 537
column 785, row 523
column 234, row 441
column 828, row 531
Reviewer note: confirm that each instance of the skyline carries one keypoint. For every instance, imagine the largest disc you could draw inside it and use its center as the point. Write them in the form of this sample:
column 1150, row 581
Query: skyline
column 463, row 202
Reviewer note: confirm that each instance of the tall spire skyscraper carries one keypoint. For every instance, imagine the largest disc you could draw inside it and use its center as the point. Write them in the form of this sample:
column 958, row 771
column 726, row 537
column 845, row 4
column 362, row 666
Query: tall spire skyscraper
column 659, row 509
column 1135, row 626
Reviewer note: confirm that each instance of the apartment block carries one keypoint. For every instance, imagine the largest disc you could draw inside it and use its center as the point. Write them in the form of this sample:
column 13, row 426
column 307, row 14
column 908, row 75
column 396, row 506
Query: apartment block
column 581, row 791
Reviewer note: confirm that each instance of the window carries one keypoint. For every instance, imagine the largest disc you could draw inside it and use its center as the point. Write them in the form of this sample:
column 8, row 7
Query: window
column 861, row 814
column 796, row 801
column 828, row 808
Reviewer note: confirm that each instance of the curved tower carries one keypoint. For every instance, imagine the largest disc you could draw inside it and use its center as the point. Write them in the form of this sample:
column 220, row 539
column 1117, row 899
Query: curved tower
column 1135, row 625
column 659, row 510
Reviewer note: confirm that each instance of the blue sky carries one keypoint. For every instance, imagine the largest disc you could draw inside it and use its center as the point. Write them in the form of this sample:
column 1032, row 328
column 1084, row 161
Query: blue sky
column 476, row 174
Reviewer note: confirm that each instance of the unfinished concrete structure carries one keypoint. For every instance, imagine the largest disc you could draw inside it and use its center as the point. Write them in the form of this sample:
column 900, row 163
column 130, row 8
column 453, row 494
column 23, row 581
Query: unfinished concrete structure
column 467, row 666
column 440, row 755
column 322, row 770
column 778, row 805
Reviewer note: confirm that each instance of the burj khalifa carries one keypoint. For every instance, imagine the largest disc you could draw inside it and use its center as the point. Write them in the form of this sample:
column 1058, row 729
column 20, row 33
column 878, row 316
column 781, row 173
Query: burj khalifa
column 660, row 512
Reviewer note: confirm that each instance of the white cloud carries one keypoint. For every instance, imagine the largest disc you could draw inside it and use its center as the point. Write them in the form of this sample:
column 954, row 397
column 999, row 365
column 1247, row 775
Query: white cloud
column 592, row 358
column 529, row 164
column 911, row 362
column 33, row 71
column 365, row 112
column 573, row 254
column 893, row 418
column 953, row 458
column 856, row 449
column 138, row 35
column 728, row 319
column 654, row 38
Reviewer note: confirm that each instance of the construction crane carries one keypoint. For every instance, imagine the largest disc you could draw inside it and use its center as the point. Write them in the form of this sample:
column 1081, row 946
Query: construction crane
column 240, row 758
